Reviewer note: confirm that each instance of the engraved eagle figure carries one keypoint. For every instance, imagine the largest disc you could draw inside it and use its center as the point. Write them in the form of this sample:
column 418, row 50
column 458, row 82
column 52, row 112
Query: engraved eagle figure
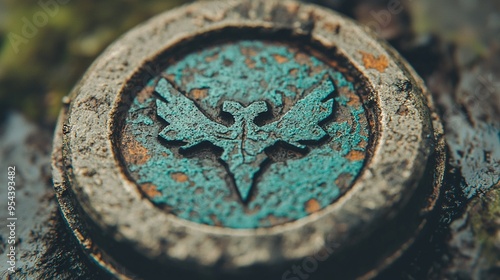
column 244, row 142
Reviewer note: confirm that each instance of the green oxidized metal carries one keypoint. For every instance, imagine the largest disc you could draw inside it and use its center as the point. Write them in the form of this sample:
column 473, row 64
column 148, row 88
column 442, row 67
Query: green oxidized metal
column 246, row 134
column 245, row 139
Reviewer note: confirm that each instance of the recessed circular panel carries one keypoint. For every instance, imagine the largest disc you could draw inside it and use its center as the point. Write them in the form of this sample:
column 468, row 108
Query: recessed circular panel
column 246, row 134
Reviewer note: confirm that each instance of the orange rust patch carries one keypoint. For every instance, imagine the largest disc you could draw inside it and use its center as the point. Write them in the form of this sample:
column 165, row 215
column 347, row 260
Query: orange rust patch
column 280, row 59
column 312, row 206
column 134, row 152
column 250, row 63
column 379, row 63
column 150, row 190
column 180, row 177
column 273, row 220
column 302, row 58
column 403, row 110
column 199, row 94
column 316, row 70
column 144, row 95
column 362, row 144
column 252, row 211
column 354, row 100
column 216, row 221
column 343, row 180
column 248, row 52
column 355, row 156
column 170, row 77
column 292, row 8
column 212, row 58
column 330, row 27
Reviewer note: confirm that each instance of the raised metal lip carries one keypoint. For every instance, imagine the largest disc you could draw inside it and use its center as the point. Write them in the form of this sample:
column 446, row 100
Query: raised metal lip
column 116, row 51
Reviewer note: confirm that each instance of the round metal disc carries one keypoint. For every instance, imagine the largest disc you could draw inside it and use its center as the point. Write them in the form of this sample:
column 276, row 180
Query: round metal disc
column 270, row 139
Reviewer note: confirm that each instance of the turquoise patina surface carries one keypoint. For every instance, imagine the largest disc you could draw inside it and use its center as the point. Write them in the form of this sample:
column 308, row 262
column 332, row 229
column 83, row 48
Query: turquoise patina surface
column 246, row 134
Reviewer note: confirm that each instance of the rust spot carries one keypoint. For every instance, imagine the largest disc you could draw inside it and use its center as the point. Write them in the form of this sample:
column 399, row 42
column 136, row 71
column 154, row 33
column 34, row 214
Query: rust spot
column 280, row 59
column 350, row 78
column 312, row 206
column 331, row 27
column 292, row 8
column 180, row 177
column 403, row 110
column 379, row 63
column 372, row 122
column 98, row 254
column 362, row 144
column 248, row 52
column 198, row 93
column 170, row 77
column 274, row 220
column 355, row 156
column 212, row 58
column 216, row 221
column 150, row 190
column 294, row 72
column 250, row 63
column 316, row 70
column 252, row 211
column 302, row 58
column 134, row 152
column 354, row 100
column 343, row 181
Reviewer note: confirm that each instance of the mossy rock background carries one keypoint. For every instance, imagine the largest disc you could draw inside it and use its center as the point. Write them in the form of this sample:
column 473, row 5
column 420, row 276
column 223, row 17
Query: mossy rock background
column 36, row 74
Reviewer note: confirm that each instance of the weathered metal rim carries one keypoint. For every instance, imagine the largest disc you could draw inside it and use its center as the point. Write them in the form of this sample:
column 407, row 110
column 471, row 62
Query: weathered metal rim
column 369, row 186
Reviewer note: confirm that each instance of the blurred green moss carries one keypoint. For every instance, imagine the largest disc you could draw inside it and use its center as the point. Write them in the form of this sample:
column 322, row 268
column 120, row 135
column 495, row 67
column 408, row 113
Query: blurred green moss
column 43, row 69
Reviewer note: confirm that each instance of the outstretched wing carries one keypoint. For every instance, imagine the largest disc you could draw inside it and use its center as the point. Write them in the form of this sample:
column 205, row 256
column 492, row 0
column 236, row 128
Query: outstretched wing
column 301, row 123
column 186, row 122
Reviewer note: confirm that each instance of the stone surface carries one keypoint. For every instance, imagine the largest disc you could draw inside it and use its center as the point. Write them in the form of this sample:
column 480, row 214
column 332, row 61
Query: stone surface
column 457, row 54
column 44, row 247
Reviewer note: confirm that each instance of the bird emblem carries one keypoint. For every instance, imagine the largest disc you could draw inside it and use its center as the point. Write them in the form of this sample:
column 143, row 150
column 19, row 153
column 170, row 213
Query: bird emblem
column 244, row 142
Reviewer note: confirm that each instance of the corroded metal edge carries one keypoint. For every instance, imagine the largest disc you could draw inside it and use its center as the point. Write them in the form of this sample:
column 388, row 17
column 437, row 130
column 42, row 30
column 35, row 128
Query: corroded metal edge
column 89, row 207
column 71, row 211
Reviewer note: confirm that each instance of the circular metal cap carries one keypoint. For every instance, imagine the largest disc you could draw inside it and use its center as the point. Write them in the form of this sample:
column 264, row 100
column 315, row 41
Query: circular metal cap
column 269, row 139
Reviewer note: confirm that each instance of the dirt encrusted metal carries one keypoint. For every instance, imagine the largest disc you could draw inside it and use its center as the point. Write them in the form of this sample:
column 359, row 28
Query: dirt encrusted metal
column 233, row 139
